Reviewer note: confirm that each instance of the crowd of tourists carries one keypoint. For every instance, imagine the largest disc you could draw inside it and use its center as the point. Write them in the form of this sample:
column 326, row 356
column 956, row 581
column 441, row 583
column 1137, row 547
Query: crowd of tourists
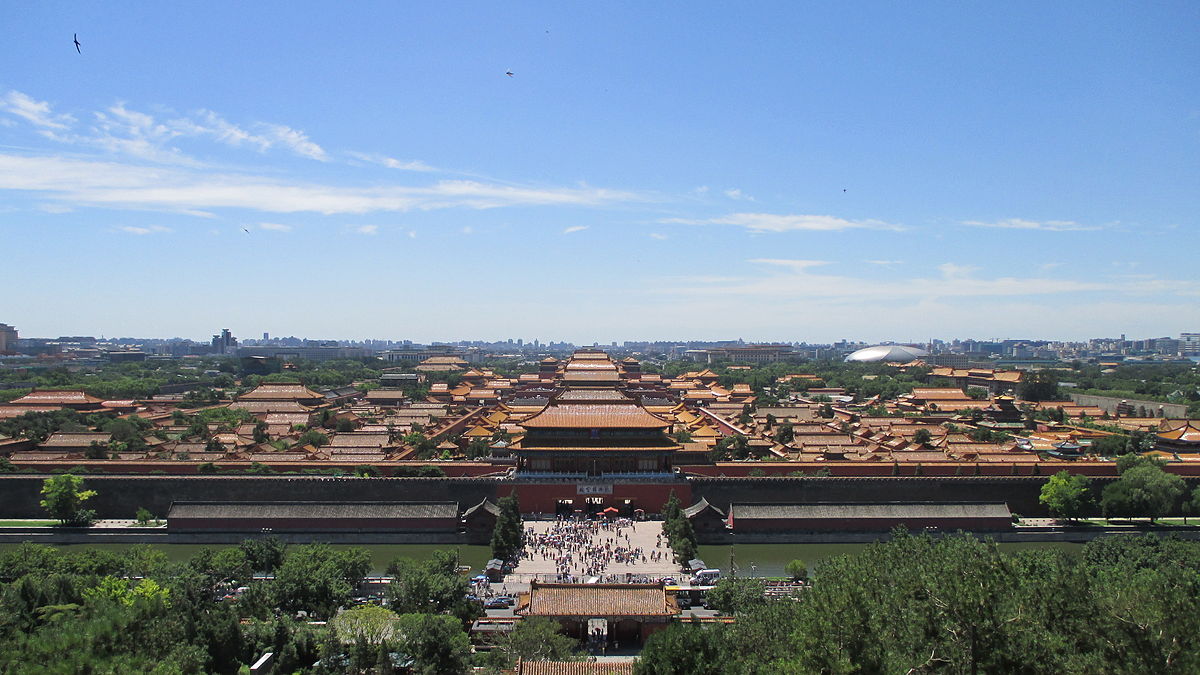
column 581, row 549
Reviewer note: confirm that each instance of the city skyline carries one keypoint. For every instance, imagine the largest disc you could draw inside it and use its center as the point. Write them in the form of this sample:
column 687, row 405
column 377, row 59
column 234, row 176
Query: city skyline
column 778, row 173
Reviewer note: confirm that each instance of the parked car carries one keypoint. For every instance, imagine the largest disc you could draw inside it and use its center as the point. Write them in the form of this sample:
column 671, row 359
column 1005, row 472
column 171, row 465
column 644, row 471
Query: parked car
column 496, row 603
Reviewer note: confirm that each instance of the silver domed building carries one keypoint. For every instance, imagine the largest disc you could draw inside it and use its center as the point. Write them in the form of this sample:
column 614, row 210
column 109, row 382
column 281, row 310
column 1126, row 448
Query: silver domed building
column 887, row 353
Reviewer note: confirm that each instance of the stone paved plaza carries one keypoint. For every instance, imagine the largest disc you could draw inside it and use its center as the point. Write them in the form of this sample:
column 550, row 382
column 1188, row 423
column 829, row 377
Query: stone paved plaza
column 641, row 534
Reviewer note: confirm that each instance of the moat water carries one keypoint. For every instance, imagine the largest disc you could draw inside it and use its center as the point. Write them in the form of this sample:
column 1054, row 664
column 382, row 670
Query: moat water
column 751, row 559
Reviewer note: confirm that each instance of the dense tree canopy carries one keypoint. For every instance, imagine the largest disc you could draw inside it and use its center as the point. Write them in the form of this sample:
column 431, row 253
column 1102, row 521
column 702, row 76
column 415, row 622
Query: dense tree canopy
column 1067, row 496
column 959, row 605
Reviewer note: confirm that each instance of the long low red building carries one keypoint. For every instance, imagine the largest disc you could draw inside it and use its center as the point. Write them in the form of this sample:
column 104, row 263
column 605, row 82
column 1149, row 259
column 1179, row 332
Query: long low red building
column 314, row 516
column 868, row 517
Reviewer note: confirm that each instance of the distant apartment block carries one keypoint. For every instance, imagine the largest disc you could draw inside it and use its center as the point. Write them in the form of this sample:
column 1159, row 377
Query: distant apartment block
column 8, row 338
column 1189, row 344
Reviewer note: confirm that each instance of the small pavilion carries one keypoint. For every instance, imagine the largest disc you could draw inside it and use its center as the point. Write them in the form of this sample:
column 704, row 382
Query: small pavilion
column 624, row 613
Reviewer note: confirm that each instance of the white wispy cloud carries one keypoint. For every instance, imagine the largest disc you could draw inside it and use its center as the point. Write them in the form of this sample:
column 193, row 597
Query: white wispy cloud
column 955, row 271
column 798, row 265
column 796, row 279
column 119, row 129
column 575, row 228
column 658, row 235
column 736, row 193
column 371, row 230
column 37, row 113
column 392, row 162
column 1021, row 224
column 295, row 140
column 276, row 227
column 467, row 229
column 776, row 222
column 115, row 184
column 151, row 229
column 884, row 263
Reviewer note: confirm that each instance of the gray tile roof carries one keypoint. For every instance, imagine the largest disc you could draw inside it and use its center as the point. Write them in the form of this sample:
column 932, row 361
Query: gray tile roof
column 327, row 510
column 876, row 510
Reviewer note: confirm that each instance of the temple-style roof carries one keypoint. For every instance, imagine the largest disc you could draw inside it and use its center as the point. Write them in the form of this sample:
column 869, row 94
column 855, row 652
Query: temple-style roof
column 592, row 395
column 306, row 510
column 574, row 668
column 581, row 415
column 358, row 439
column 263, row 407
column 940, row 394
column 847, row 511
column 485, row 505
column 591, row 376
column 57, row 397
column 76, row 439
column 591, row 365
column 597, row 600
column 700, row 507
column 590, row 356
column 1186, row 431
column 273, row 391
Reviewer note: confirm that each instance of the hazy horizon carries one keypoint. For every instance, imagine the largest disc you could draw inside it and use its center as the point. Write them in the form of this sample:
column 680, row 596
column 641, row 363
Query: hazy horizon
column 773, row 171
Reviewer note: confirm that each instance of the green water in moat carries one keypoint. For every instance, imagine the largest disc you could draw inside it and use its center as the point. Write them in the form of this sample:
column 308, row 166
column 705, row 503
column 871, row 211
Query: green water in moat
column 768, row 560
column 751, row 559
column 381, row 554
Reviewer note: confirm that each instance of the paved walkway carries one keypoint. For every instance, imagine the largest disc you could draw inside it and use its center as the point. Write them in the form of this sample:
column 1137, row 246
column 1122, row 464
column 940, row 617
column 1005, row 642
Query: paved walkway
column 643, row 537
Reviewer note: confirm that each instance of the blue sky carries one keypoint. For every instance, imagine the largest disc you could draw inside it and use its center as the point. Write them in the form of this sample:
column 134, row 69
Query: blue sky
column 769, row 171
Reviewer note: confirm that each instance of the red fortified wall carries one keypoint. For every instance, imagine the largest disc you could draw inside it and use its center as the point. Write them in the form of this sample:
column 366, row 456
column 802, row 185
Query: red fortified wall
column 536, row 497
column 939, row 469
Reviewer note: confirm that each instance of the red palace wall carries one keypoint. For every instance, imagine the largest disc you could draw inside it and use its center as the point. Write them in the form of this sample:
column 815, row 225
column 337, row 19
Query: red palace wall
column 544, row 497
column 949, row 469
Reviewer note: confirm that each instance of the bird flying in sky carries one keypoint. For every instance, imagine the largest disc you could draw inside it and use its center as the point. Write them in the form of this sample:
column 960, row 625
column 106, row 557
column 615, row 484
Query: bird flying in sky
column 77, row 43
column 509, row 73
column 245, row 230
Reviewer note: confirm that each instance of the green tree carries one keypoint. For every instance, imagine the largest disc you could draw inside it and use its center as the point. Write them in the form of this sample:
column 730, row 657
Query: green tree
column 671, row 509
column 260, row 432
column 1142, row 490
column 682, row 648
column 1039, row 385
column 371, row 623
column 436, row 643
column 736, row 595
column 539, row 639
column 922, row 436
column 796, row 569
column 314, row 438
column 317, row 578
column 1067, row 496
column 1109, row 446
column 508, row 535
column 433, row 586
column 144, row 516
column 63, row 497
column 264, row 554
column 785, row 434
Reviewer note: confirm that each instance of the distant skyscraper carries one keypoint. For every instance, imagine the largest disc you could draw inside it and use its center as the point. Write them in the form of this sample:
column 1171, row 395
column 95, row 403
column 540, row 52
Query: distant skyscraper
column 224, row 343
column 266, row 336
column 1189, row 344
column 8, row 338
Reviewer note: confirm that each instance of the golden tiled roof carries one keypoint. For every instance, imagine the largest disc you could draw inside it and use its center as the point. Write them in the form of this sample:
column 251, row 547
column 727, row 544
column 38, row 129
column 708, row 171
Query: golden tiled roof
column 575, row 668
column 273, row 391
column 56, row 397
column 575, row 415
column 597, row 600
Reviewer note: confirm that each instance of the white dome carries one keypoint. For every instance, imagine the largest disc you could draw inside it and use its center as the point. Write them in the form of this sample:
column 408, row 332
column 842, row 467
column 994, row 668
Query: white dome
column 878, row 353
